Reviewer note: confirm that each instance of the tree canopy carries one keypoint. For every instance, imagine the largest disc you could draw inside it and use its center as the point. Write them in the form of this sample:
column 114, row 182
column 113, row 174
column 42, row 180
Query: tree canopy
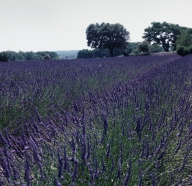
column 164, row 34
column 21, row 56
column 185, row 39
column 107, row 36
column 47, row 57
column 85, row 53
column 3, row 57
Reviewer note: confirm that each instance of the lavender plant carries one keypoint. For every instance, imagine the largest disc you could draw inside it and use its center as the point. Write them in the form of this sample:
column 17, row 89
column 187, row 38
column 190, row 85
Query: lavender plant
column 46, row 83
column 136, row 131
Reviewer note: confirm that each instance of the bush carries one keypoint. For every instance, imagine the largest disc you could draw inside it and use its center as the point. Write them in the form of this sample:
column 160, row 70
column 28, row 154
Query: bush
column 186, row 51
column 180, row 50
column 183, row 51
column 144, row 47
column 190, row 49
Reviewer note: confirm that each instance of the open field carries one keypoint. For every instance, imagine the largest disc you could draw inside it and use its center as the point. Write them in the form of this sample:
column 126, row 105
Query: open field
column 111, row 121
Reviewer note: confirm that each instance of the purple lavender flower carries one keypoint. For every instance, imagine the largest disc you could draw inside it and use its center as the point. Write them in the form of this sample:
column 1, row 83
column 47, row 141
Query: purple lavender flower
column 128, row 175
column 60, row 164
column 153, row 181
column 178, row 146
column 108, row 150
column 27, row 170
column 38, row 115
column 75, row 172
column 140, row 179
column 56, row 182
column 119, row 169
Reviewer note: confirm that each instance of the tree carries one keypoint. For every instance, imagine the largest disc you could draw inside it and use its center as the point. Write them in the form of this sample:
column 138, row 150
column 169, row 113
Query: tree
column 144, row 47
column 30, row 56
column 163, row 34
column 85, row 53
column 132, row 47
column 3, row 57
column 47, row 57
column 107, row 36
column 185, row 39
column 20, row 57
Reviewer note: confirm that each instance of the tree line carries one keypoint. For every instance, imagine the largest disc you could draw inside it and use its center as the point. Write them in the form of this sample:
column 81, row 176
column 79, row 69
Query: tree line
column 22, row 56
column 113, row 40
column 170, row 37
column 132, row 48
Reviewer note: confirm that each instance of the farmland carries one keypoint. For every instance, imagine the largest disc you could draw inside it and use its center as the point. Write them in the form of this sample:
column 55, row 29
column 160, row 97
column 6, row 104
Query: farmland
column 110, row 121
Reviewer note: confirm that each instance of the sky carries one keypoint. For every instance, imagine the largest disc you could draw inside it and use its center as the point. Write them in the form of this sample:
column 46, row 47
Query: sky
column 50, row 25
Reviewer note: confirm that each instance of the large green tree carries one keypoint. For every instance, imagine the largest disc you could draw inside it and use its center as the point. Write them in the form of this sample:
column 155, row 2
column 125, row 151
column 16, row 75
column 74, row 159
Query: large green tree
column 107, row 36
column 164, row 34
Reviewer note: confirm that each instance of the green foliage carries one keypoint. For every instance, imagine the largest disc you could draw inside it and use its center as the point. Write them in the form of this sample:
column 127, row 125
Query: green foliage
column 180, row 50
column 144, row 47
column 29, row 56
column 101, row 53
column 43, row 53
column 21, row 56
column 132, row 48
column 190, row 49
column 47, row 57
column 118, row 52
column 155, row 48
column 107, row 36
column 3, row 57
column 85, row 53
column 163, row 34
column 183, row 50
column 135, row 51
column 185, row 39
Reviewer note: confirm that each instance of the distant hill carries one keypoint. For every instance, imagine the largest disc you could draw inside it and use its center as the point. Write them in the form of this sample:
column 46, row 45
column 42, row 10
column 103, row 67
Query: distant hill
column 67, row 54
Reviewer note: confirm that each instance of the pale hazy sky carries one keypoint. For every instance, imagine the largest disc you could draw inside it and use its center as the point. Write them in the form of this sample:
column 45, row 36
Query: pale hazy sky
column 37, row 25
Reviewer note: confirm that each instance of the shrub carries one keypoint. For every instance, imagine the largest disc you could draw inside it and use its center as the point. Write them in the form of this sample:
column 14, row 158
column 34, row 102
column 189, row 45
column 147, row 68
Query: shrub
column 144, row 47
column 181, row 50
column 190, row 49
column 186, row 51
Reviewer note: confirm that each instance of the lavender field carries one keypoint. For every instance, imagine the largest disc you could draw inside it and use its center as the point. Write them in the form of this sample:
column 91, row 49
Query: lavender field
column 110, row 121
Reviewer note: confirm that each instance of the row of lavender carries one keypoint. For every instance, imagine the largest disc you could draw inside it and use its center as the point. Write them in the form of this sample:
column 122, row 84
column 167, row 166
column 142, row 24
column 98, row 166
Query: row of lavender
column 46, row 83
column 138, row 133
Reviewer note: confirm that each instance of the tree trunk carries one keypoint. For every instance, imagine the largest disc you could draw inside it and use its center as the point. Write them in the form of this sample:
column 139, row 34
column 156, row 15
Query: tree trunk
column 111, row 51
column 166, row 47
column 174, row 47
